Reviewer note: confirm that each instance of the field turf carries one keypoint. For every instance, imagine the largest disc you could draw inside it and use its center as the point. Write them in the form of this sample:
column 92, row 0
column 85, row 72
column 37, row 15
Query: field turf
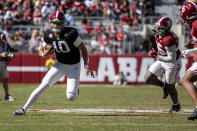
column 95, row 97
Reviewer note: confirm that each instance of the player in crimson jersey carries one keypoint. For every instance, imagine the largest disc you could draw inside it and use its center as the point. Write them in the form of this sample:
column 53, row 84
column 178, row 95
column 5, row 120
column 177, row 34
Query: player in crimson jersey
column 189, row 16
column 167, row 61
column 66, row 44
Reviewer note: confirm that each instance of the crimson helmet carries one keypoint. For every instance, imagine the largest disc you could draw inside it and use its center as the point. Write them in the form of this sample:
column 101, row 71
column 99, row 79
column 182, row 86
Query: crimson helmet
column 188, row 11
column 56, row 21
column 162, row 25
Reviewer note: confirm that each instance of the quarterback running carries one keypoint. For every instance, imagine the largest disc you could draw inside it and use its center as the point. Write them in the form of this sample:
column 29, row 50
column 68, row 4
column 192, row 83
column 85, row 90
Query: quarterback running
column 66, row 44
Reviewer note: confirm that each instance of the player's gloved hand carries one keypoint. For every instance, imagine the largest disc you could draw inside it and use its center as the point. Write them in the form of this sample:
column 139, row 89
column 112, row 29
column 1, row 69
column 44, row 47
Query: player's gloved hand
column 89, row 72
column 152, row 53
column 187, row 53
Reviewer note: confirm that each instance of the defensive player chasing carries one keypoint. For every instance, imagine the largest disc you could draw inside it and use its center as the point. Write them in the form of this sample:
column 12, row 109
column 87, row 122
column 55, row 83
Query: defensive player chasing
column 66, row 44
column 189, row 16
column 167, row 61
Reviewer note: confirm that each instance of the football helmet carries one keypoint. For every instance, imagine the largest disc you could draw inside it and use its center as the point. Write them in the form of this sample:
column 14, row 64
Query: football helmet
column 188, row 12
column 162, row 25
column 56, row 21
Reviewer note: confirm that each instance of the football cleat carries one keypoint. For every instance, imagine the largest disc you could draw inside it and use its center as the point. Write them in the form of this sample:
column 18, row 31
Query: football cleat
column 175, row 108
column 193, row 116
column 19, row 112
column 9, row 98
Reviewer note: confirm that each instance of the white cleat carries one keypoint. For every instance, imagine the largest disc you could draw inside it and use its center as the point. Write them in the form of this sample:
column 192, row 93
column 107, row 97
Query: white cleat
column 19, row 112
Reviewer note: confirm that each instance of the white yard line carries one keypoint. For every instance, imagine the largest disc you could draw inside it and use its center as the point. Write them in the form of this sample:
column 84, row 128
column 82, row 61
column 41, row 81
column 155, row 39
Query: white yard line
column 183, row 111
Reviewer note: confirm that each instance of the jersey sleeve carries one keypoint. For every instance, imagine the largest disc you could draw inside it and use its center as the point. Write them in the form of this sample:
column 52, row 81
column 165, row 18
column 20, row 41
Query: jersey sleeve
column 46, row 37
column 169, row 41
column 74, row 37
column 194, row 33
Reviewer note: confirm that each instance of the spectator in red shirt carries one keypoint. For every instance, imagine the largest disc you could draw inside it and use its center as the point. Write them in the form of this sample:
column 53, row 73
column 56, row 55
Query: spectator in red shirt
column 88, row 27
column 28, row 16
column 125, row 19
column 120, row 38
column 37, row 16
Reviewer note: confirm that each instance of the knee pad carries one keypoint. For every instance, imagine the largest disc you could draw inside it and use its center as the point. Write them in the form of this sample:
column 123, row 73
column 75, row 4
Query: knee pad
column 71, row 96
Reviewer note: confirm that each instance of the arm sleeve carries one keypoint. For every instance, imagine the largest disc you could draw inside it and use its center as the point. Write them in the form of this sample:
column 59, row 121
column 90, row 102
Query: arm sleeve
column 169, row 41
column 46, row 38
column 77, row 42
column 171, row 54
column 194, row 50
column 194, row 34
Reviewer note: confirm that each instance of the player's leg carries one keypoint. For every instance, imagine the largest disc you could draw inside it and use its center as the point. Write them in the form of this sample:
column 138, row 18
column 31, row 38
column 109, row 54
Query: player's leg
column 5, row 85
column 189, row 78
column 73, row 76
column 171, row 74
column 152, row 74
column 187, row 83
column 52, row 76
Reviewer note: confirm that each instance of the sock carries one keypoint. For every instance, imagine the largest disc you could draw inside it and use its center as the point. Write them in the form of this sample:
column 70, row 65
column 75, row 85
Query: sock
column 176, row 103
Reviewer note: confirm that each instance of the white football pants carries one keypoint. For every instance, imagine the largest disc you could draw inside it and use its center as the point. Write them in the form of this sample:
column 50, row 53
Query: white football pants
column 53, row 76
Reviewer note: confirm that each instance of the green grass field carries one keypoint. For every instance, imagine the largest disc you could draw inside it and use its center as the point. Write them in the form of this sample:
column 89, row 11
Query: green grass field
column 95, row 96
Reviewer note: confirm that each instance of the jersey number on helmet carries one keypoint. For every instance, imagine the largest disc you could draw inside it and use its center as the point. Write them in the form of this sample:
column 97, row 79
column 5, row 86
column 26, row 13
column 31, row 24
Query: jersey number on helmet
column 61, row 47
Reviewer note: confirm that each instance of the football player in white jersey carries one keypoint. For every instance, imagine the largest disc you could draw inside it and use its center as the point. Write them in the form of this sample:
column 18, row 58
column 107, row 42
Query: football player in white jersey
column 66, row 44
column 167, row 61
column 189, row 16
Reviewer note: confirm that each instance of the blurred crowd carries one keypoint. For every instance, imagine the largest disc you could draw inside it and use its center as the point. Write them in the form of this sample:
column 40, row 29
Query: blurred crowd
column 124, row 16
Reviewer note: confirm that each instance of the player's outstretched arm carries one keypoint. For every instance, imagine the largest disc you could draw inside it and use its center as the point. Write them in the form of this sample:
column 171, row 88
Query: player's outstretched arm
column 189, row 52
column 85, row 58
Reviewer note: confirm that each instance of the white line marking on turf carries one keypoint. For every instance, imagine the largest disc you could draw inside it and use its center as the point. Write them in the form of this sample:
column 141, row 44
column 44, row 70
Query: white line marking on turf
column 183, row 111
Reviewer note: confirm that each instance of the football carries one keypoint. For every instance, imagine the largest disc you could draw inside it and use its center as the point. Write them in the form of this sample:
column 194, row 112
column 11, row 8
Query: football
column 48, row 46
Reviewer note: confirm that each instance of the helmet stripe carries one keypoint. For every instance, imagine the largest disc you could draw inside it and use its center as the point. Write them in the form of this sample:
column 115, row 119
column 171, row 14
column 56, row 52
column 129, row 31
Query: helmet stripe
column 57, row 14
column 161, row 20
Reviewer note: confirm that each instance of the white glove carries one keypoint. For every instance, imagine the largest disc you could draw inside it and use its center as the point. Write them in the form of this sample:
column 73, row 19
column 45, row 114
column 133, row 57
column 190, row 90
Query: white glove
column 187, row 53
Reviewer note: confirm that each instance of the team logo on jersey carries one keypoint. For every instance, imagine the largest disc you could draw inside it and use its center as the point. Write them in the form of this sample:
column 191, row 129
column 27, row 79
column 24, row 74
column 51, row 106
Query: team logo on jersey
column 68, row 34
column 50, row 35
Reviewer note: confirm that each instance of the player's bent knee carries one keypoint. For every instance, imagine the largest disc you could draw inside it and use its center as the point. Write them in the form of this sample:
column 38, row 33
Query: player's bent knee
column 147, row 80
column 71, row 96
column 170, row 81
column 185, row 80
column 182, row 82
